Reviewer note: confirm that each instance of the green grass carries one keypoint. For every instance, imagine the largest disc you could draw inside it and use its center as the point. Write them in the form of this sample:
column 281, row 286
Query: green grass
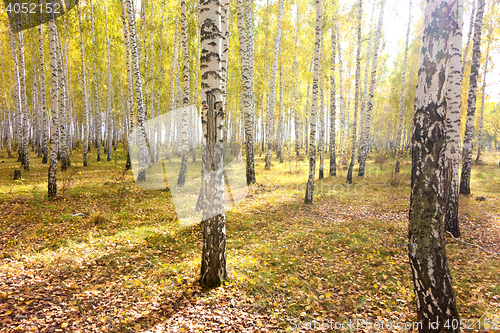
column 344, row 257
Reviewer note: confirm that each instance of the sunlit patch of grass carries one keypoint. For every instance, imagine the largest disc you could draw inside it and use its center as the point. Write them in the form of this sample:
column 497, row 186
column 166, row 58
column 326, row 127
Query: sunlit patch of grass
column 342, row 257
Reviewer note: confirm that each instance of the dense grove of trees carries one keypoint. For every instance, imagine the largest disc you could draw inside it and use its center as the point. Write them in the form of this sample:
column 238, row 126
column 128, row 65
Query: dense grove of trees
column 284, row 79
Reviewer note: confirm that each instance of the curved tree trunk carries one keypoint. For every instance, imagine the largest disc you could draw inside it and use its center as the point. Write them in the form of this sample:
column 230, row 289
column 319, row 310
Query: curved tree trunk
column 314, row 106
column 426, row 246
column 471, row 102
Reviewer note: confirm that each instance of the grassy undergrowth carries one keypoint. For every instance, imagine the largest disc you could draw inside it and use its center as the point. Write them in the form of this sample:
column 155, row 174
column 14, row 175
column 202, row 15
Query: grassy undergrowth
column 111, row 256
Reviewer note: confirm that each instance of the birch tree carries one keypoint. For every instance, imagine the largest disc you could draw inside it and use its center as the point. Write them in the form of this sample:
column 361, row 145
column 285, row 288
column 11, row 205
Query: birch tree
column 43, row 99
column 247, row 90
column 62, row 106
column 84, row 94
column 142, row 138
column 483, row 93
column 181, row 180
column 54, row 133
column 314, row 106
column 333, row 111
column 471, row 102
column 213, row 261
column 24, row 101
column 426, row 246
column 130, row 96
column 452, row 125
column 469, row 37
column 401, row 97
column 321, row 109
column 271, row 101
column 17, row 91
column 356, row 97
column 369, row 106
column 108, row 93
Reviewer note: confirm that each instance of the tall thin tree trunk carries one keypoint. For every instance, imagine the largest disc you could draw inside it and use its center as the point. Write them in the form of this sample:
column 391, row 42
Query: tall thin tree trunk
column 62, row 106
column 17, row 93
column 108, row 94
column 181, row 180
column 271, row 101
column 280, row 117
column 314, row 106
column 333, row 111
column 295, row 89
column 130, row 95
column 54, row 134
column 24, row 100
column 321, row 110
column 356, row 97
column 452, row 125
column 43, row 98
column 246, row 92
column 483, row 93
column 469, row 37
column 426, row 247
column 399, row 153
column 86, row 119
column 471, row 101
column 342, row 103
column 142, row 145
column 213, row 261
column 369, row 107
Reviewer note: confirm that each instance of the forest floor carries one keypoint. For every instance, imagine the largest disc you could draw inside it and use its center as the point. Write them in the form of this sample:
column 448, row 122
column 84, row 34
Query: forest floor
column 108, row 256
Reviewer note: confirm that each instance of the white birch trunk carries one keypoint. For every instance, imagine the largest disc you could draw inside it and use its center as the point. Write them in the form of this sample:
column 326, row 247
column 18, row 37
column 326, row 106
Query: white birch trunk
column 272, row 92
column 213, row 261
column 483, row 93
column 181, row 180
column 399, row 153
column 427, row 239
column 142, row 145
column 54, row 134
column 314, row 107
column 471, row 101
column 452, row 125
column 369, row 106
column 356, row 97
